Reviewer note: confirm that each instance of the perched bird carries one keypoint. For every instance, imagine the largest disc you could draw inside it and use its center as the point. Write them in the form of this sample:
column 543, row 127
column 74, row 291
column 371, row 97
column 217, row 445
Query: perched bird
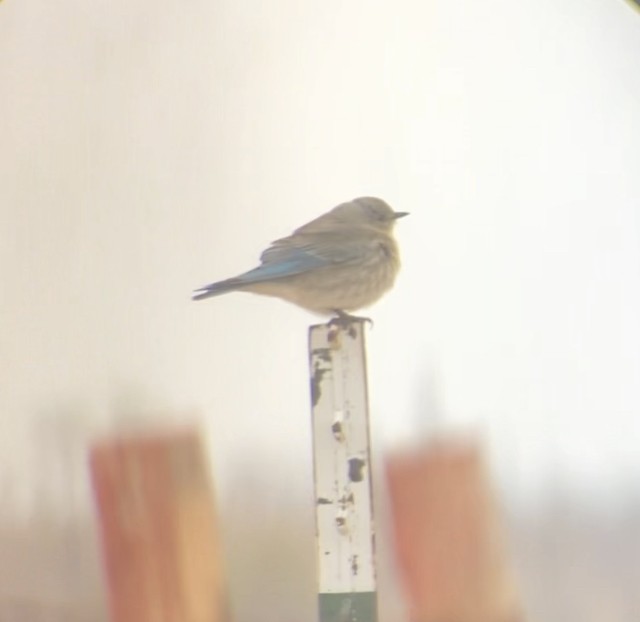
column 342, row 261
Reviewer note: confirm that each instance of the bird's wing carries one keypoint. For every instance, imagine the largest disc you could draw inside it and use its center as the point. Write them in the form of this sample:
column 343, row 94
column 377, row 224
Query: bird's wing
column 279, row 261
column 314, row 250
column 296, row 254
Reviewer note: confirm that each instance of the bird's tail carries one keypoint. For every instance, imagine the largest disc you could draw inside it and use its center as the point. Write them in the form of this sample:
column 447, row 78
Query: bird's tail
column 216, row 289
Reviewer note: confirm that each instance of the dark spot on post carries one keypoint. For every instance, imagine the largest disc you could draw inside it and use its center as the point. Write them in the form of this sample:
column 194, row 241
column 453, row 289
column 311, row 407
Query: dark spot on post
column 336, row 429
column 324, row 354
column 316, row 379
column 356, row 469
column 344, row 501
column 332, row 336
column 324, row 501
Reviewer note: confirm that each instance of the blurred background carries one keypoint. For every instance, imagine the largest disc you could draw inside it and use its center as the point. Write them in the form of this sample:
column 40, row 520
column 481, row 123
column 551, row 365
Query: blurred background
column 147, row 148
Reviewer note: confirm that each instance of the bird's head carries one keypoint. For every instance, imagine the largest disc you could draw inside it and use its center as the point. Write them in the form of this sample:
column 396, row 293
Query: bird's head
column 369, row 211
column 363, row 212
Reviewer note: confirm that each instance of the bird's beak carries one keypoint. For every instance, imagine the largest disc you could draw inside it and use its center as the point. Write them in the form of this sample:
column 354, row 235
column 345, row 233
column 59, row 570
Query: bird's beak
column 397, row 215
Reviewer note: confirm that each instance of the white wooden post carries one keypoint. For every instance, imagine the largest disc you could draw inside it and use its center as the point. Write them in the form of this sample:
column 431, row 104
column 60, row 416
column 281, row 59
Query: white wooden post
column 345, row 534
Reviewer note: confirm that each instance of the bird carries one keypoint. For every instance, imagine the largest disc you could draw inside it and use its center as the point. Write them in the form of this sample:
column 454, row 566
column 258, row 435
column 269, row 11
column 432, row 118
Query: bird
column 337, row 263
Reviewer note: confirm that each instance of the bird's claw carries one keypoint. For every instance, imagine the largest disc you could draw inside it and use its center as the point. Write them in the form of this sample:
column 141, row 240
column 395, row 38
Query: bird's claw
column 346, row 322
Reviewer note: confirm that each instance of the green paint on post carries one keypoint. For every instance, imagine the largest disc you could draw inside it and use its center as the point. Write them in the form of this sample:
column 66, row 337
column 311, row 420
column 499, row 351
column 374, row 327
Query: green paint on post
column 348, row 607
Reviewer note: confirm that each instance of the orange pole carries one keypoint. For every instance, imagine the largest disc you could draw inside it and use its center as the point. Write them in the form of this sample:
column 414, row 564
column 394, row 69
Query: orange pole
column 448, row 539
column 157, row 517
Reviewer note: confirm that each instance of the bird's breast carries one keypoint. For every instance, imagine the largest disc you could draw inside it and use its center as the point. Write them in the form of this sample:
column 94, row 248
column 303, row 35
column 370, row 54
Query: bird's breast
column 348, row 285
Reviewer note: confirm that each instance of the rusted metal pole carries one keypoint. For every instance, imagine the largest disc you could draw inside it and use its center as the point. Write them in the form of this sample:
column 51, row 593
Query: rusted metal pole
column 158, row 529
column 342, row 474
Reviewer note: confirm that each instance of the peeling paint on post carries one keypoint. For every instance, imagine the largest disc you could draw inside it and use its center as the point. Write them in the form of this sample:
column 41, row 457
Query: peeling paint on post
column 345, row 535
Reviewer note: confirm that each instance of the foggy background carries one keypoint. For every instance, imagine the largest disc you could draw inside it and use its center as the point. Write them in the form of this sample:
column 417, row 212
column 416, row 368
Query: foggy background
column 148, row 148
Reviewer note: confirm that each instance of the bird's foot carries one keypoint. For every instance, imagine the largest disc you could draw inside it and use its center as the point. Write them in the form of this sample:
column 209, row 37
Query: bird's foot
column 346, row 321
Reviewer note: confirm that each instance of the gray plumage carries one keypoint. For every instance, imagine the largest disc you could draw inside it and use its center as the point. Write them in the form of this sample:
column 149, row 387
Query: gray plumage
column 342, row 261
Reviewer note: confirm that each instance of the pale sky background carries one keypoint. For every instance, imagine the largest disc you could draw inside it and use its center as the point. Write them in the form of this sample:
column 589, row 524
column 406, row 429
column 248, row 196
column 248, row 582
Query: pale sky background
column 149, row 147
